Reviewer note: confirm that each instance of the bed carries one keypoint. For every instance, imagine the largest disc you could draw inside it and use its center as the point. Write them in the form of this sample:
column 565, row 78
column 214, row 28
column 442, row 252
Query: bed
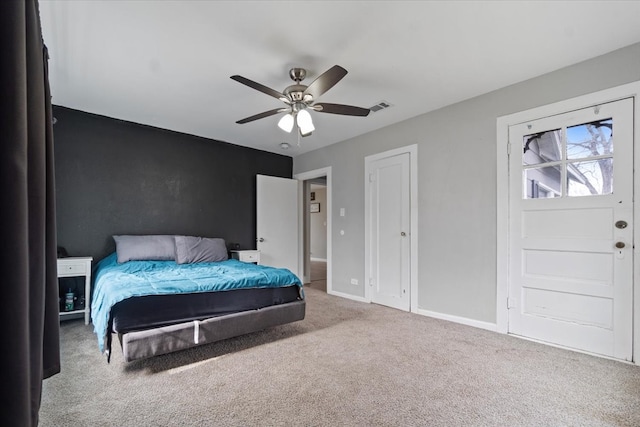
column 161, row 294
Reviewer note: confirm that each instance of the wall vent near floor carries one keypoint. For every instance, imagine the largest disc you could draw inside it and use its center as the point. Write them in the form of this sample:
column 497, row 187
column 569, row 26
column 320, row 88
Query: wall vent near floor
column 380, row 106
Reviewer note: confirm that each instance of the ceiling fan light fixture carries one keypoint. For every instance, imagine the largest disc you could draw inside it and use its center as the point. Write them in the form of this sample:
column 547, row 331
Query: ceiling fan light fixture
column 305, row 123
column 300, row 98
column 286, row 123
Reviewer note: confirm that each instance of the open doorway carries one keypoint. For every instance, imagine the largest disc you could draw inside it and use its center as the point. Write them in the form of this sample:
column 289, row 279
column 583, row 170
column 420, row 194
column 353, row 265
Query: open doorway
column 316, row 228
column 318, row 233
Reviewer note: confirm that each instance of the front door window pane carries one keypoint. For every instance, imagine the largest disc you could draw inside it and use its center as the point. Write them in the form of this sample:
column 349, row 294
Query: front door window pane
column 590, row 139
column 543, row 182
column 590, row 178
column 541, row 147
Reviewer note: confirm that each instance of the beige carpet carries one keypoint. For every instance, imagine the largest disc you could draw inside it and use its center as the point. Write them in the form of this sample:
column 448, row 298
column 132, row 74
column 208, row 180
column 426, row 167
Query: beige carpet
column 346, row 364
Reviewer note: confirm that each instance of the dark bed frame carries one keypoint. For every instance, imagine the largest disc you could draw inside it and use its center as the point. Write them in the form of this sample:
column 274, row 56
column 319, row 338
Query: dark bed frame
column 167, row 339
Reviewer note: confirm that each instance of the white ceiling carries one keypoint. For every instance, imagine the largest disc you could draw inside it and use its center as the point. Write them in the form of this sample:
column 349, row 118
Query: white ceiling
column 168, row 63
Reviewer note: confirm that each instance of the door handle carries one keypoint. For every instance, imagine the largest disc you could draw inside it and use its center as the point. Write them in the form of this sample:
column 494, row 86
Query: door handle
column 620, row 245
column 402, row 233
column 261, row 240
column 621, row 224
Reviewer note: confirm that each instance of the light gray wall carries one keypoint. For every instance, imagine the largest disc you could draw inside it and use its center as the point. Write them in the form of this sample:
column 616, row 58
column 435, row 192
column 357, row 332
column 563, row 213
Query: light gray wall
column 318, row 223
column 457, row 184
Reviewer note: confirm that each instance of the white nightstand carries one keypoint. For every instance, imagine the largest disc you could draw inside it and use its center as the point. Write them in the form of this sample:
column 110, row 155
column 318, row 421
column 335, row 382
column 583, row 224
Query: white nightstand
column 77, row 267
column 247, row 256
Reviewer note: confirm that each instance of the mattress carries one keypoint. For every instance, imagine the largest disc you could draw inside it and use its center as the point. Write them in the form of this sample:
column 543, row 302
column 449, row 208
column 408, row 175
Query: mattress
column 154, row 311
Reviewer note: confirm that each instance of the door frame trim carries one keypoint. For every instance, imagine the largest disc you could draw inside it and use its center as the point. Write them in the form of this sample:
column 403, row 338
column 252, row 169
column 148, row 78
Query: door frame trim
column 412, row 150
column 630, row 90
column 304, row 176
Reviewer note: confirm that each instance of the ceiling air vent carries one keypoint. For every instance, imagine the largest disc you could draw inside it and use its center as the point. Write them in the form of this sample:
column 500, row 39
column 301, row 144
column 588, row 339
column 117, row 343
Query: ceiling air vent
column 380, row 106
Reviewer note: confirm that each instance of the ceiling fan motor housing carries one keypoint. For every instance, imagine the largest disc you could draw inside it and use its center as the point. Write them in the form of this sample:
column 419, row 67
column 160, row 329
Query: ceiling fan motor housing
column 295, row 92
column 297, row 74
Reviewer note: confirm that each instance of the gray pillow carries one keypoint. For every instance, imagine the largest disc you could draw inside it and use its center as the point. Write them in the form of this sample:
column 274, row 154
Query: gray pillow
column 200, row 249
column 145, row 248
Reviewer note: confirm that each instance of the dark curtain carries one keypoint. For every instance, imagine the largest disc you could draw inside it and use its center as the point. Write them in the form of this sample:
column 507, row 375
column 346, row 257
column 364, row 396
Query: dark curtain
column 29, row 302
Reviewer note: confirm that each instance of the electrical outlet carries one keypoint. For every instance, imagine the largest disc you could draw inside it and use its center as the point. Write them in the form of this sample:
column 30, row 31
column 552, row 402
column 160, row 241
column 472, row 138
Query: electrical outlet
column 354, row 281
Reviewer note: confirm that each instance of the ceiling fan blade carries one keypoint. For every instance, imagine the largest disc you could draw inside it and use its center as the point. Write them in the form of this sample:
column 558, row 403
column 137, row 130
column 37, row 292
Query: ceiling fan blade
column 261, row 88
column 262, row 115
column 325, row 81
column 347, row 110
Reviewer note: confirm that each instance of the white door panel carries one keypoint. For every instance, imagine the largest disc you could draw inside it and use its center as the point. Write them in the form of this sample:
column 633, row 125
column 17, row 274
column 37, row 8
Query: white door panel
column 570, row 182
column 277, row 222
column 390, row 234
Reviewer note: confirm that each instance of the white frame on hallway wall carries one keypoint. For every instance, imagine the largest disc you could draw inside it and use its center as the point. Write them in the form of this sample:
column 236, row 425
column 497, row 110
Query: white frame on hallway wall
column 412, row 150
column 630, row 90
column 304, row 176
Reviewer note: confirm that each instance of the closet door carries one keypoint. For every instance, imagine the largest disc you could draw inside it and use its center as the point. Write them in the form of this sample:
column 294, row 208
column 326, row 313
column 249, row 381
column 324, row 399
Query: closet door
column 277, row 222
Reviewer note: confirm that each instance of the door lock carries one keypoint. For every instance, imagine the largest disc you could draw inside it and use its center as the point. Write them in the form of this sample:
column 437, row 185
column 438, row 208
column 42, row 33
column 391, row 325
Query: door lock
column 621, row 224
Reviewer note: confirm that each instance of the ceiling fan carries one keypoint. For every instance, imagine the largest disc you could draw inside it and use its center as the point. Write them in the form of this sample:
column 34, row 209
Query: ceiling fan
column 301, row 98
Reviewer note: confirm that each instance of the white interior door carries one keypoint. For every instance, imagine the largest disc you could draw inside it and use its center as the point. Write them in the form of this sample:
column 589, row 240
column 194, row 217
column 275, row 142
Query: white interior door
column 277, row 222
column 389, row 186
column 571, row 229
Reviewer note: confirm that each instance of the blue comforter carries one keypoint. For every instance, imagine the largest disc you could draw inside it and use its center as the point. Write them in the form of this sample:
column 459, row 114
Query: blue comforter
column 116, row 282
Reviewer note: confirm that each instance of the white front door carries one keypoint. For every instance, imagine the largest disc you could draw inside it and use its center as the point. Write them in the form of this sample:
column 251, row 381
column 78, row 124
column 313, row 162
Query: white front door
column 389, row 198
column 277, row 222
column 571, row 229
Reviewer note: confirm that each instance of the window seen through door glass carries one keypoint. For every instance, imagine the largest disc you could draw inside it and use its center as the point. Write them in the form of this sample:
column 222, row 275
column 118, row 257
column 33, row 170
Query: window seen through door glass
column 542, row 183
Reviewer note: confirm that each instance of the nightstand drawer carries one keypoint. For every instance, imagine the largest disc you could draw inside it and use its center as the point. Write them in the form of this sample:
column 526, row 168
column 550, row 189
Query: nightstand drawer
column 71, row 268
column 250, row 256
column 246, row 255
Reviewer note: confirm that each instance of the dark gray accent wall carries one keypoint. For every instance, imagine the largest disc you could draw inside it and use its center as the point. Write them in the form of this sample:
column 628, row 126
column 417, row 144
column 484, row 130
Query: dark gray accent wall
column 117, row 177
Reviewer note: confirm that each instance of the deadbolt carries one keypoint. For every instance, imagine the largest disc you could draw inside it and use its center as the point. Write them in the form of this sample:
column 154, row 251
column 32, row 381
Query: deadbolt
column 619, row 245
column 621, row 224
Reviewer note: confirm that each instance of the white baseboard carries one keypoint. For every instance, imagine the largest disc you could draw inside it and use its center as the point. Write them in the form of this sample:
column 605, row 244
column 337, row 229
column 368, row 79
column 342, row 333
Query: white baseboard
column 347, row 296
column 318, row 259
column 456, row 319
column 463, row 320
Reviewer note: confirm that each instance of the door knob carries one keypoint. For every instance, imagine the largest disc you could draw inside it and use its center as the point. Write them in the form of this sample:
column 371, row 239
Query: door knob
column 261, row 239
column 621, row 224
column 619, row 245
column 402, row 233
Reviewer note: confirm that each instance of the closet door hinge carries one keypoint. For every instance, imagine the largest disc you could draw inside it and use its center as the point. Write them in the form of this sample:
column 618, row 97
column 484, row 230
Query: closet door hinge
column 511, row 303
